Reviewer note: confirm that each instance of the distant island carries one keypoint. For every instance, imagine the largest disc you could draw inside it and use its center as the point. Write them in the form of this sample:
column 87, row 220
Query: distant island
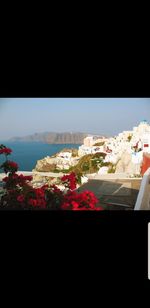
column 53, row 138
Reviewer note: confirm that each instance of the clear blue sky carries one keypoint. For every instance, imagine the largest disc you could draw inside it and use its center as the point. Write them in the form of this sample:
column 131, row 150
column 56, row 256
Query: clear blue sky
column 105, row 116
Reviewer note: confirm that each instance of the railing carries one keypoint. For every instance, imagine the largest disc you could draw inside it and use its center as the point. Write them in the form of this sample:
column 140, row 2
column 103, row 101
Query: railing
column 143, row 199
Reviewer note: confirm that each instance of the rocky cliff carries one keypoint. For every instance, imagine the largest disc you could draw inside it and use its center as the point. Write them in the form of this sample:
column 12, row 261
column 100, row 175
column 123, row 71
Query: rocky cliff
column 53, row 138
column 58, row 161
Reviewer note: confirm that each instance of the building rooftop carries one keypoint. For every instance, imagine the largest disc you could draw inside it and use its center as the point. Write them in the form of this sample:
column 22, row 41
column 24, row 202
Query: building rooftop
column 144, row 121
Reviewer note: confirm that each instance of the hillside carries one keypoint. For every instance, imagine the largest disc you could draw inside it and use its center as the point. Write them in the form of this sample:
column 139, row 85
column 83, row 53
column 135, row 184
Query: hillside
column 53, row 138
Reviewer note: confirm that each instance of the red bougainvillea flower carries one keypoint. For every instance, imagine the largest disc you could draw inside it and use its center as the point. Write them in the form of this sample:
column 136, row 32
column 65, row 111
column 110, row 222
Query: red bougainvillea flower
column 41, row 203
column 25, row 177
column 28, row 178
column 32, row 202
column 5, row 151
column 70, row 196
column 65, row 206
column 88, row 197
column 45, row 186
column 12, row 164
column 55, row 189
column 15, row 179
column 5, row 179
column 9, row 166
column 14, row 176
column 39, row 192
column 69, row 180
column 75, row 205
column 99, row 208
column 83, row 208
column 83, row 201
column 20, row 198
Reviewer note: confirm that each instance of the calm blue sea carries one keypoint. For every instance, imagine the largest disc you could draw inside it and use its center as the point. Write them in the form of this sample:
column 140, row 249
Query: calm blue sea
column 26, row 154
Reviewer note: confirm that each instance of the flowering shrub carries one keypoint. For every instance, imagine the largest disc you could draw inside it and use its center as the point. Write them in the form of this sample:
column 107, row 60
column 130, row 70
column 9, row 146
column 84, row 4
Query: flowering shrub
column 69, row 181
column 9, row 166
column 19, row 192
column 83, row 201
column 5, row 151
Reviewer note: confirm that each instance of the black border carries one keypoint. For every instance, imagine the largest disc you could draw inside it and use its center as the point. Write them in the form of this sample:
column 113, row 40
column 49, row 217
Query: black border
column 112, row 244
column 74, row 78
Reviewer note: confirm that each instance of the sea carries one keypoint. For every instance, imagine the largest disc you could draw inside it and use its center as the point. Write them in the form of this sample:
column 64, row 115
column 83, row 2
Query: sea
column 26, row 154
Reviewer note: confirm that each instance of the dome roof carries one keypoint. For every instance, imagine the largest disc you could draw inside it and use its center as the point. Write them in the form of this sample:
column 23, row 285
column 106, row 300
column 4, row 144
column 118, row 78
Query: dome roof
column 144, row 121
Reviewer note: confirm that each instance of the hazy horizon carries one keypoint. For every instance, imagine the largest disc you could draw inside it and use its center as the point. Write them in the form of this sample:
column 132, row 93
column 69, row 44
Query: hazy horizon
column 21, row 117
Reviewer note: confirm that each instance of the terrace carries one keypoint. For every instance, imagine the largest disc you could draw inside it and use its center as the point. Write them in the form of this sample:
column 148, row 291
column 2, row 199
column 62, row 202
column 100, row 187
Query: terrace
column 114, row 191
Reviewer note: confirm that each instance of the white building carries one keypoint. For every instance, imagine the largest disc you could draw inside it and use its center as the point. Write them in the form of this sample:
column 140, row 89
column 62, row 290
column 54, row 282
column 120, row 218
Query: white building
column 88, row 141
column 65, row 155
column 138, row 143
column 91, row 140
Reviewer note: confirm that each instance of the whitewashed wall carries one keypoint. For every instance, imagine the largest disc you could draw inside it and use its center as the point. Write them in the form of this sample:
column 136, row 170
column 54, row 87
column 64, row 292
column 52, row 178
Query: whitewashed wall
column 143, row 199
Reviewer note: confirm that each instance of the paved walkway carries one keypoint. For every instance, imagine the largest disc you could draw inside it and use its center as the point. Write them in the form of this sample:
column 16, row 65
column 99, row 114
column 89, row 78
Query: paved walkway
column 121, row 194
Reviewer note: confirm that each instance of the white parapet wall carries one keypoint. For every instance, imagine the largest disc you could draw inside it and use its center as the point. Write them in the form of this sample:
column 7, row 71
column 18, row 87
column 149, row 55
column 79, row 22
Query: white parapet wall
column 143, row 199
column 44, row 174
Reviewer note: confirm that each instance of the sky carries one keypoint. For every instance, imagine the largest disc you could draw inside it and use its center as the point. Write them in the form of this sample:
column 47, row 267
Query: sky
column 104, row 116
